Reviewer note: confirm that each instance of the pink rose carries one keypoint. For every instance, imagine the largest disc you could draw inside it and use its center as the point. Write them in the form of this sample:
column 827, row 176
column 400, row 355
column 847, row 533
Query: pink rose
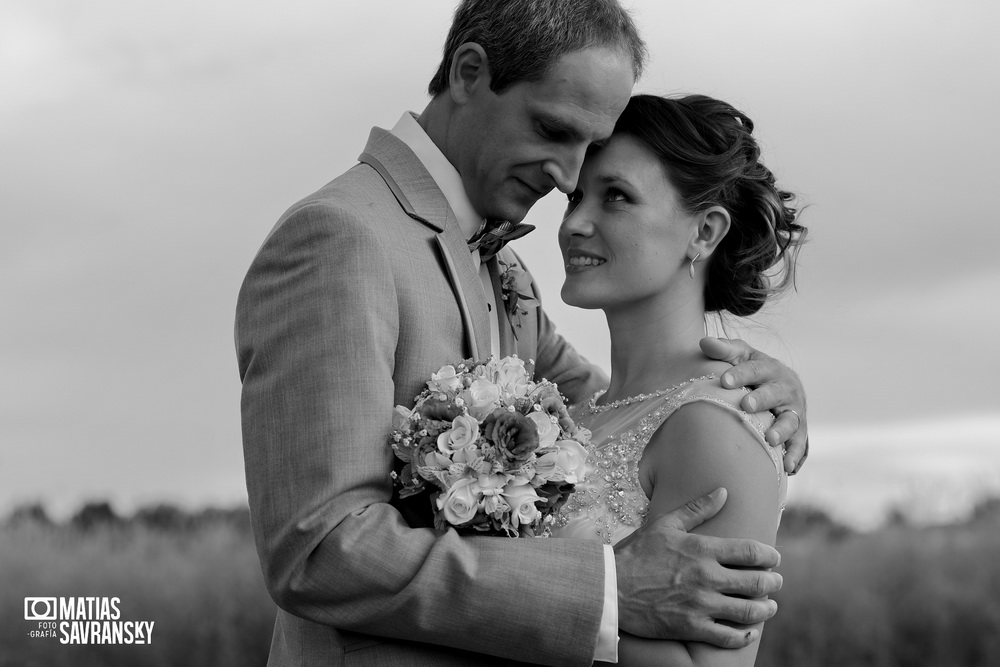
column 513, row 433
column 441, row 410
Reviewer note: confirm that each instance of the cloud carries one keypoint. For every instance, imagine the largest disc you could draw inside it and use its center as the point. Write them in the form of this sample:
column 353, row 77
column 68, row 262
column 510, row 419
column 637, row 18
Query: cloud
column 147, row 147
column 934, row 469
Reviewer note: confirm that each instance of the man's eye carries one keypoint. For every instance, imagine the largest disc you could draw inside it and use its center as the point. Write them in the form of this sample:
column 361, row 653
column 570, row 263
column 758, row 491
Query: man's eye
column 552, row 134
column 574, row 197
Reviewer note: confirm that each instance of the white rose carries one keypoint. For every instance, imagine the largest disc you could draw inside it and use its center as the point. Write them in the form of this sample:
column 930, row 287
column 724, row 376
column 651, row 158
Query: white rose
column 512, row 377
column 522, row 499
column 547, row 470
column 463, row 432
column 548, row 428
column 400, row 416
column 481, row 398
column 571, row 457
column 461, row 502
column 446, row 379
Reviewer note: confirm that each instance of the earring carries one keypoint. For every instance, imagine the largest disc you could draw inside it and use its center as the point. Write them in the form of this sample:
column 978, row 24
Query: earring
column 691, row 266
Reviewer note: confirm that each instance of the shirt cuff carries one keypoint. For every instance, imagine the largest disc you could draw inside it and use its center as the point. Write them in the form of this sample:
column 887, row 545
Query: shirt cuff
column 607, row 636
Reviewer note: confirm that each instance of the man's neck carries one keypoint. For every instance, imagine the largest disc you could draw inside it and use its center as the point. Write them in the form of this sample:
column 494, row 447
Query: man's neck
column 435, row 120
column 441, row 169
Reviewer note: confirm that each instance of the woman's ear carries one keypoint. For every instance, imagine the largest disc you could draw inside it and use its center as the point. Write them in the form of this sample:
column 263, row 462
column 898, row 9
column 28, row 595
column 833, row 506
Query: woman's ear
column 712, row 226
column 470, row 72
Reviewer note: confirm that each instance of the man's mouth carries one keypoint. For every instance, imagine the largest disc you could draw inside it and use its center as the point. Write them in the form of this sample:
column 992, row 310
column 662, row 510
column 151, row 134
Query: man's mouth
column 537, row 192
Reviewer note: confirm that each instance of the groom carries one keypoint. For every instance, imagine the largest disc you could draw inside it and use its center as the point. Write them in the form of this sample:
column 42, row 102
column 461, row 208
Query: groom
column 367, row 286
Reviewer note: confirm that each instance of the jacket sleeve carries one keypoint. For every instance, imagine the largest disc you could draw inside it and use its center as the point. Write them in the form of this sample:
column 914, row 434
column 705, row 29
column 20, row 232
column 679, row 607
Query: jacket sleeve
column 316, row 330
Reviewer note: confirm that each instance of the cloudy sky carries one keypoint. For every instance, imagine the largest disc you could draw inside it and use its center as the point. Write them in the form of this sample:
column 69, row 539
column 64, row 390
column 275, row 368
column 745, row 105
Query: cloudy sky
column 146, row 148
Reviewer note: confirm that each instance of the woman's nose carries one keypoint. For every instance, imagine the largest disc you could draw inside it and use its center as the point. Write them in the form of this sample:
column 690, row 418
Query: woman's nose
column 577, row 222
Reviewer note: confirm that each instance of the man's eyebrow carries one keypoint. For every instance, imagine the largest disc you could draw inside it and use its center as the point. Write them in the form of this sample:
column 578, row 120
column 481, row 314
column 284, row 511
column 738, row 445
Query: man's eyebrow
column 559, row 127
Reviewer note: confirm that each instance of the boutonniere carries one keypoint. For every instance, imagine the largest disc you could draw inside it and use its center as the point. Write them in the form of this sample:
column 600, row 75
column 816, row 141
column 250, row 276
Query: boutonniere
column 513, row 285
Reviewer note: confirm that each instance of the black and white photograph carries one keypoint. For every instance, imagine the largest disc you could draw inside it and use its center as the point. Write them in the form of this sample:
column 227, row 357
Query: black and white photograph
column 499, row 332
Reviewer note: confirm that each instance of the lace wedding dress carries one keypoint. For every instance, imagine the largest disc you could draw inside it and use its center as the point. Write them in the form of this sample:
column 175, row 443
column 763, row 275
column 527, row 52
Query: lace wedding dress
column 610, row 503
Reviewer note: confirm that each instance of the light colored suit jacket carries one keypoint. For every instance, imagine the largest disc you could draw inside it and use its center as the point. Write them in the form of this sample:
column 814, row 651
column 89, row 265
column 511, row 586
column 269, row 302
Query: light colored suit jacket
column 360, row 292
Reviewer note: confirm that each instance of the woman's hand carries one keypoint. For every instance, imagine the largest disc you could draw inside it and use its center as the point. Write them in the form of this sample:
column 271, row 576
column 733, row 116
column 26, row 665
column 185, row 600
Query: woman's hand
column 776, row 387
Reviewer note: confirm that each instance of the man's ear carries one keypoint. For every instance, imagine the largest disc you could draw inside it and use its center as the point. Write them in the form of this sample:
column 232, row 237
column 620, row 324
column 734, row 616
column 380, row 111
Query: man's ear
column 712, row 226
column 470, row 72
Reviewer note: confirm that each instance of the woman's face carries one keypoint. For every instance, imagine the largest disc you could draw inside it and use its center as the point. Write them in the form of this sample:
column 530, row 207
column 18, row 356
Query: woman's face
column 624, row 237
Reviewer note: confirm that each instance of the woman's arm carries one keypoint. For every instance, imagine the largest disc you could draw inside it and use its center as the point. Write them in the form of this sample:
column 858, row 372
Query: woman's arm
column 701, row 447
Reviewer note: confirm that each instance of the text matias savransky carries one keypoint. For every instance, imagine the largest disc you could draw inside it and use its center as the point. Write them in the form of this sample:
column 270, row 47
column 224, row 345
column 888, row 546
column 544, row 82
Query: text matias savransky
column 85, row 620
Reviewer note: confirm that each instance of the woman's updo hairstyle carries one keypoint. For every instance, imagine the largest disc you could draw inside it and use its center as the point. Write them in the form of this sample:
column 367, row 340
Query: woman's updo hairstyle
column 712, row 159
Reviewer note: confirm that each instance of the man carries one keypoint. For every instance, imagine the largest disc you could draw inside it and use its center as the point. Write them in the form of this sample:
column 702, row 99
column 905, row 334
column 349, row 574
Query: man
column 367, row 286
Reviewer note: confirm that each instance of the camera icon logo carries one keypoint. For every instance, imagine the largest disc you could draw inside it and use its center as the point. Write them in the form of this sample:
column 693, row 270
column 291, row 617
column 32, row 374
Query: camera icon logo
column 40, row 609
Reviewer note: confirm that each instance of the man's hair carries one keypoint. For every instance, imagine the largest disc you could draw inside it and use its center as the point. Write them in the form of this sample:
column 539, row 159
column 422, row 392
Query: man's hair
column 523, row 38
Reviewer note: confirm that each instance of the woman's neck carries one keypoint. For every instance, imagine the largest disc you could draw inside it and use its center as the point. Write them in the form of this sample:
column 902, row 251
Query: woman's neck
column 655, row 345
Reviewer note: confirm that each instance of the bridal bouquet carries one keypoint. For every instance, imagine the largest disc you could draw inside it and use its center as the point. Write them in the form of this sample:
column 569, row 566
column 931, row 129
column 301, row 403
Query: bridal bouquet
column 498, row 452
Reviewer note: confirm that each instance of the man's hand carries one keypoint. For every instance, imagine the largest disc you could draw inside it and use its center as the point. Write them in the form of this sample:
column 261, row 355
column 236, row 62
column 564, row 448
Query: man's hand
column 776, row 388
column 675, row 585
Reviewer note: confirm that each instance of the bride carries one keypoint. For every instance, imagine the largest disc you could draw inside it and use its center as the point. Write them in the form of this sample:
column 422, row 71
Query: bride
column 673, row 218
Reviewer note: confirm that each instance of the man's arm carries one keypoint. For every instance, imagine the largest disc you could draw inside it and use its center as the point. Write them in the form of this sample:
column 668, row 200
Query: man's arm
column 776, row 388
column 317, row 329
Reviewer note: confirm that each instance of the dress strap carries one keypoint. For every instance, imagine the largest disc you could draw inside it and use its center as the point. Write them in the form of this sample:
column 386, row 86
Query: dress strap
column 728, row 399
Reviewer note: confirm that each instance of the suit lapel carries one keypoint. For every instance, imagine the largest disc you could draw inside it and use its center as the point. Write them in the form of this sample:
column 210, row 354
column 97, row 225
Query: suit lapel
column 461, row 271
column 421, row 199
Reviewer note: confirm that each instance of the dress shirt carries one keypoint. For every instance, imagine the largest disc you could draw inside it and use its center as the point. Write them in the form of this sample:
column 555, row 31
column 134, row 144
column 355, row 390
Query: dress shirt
column 449, row 181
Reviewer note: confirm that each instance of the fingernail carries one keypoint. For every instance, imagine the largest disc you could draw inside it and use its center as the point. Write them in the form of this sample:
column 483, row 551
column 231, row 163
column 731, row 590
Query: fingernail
column 750, row 635
column 752, row 402
column 772, row 438
column 714, row 495
column 728, row 380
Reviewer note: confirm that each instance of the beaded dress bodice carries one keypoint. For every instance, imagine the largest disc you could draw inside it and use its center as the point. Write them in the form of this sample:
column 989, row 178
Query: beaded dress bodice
column 610, row 503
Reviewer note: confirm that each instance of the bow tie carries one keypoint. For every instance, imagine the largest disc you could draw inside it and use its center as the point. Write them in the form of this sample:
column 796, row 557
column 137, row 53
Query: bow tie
column 495, row 235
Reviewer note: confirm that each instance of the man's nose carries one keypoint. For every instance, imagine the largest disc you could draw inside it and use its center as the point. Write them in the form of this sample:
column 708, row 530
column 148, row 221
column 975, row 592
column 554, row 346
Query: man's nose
column 564, row 169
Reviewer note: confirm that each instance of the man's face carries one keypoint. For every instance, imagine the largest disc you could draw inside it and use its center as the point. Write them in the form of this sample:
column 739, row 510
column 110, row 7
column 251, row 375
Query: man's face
column 513, row 148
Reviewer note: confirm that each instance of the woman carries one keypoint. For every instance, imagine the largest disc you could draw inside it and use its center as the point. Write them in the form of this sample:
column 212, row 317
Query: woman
column 673, row 218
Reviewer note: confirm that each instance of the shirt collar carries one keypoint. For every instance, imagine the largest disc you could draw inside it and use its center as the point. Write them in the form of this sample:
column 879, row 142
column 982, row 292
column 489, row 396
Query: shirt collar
column 441, row 170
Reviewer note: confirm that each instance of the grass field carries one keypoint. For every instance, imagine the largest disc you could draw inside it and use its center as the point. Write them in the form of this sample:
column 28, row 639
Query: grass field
column 902, row 596
column 197, row 578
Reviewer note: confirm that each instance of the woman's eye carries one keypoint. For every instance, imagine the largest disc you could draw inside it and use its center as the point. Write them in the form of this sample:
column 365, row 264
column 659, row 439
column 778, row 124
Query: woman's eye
column 574, row 197
column 614, row 194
